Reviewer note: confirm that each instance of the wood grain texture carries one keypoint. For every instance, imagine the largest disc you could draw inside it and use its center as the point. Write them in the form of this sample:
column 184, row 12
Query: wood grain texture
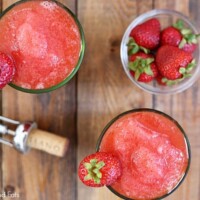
column 39, row 176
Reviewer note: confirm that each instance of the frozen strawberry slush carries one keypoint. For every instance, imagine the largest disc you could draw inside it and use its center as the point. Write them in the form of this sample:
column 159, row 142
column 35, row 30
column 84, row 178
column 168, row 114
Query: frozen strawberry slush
column 44, row 41
column 153, row 152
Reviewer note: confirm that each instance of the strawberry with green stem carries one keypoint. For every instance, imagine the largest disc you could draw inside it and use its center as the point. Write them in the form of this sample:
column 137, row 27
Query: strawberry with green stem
column 180, row 36
column 174, row 64
column 142, row 67
column 145, row 36
column 99, row 169
column 185, row 74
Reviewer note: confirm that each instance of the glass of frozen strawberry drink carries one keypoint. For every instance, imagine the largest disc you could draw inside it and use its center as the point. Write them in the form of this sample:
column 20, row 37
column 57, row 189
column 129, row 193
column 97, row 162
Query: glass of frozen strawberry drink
column 160, row 52
column 154, row 152
column 46, row 42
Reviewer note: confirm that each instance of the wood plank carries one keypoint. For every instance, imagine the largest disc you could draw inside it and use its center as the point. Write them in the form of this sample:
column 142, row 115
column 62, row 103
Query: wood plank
column 37, row 175
column 103, row 88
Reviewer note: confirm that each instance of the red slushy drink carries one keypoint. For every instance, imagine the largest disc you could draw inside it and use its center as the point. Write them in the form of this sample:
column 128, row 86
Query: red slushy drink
column 45, row 41
column 153, row 150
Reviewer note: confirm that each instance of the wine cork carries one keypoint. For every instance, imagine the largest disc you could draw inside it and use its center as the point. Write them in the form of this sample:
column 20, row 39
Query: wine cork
column 48, row 142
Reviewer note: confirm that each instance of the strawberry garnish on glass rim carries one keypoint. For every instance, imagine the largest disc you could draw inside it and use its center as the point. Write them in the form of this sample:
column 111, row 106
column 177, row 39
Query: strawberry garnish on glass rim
column 99, row 169
column 7, row 69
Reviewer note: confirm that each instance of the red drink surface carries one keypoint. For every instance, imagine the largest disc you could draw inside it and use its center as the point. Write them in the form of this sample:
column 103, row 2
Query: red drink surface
column 44, row 41
column 153, row 153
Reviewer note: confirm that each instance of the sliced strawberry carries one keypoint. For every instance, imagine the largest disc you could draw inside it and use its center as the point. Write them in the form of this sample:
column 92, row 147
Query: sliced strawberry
column 147, row 34
column 99, row 169
column 7, row 69
column 142, row 67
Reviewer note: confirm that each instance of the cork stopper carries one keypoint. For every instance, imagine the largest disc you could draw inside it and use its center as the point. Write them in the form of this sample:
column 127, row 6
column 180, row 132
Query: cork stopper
column 48, row 142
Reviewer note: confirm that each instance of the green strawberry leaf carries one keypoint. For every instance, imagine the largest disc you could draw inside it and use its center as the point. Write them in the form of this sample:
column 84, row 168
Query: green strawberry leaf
column 93, row 168
column 93, row 162
column 182, row 70
column 99, row 175
column 137, row 74
column 186, row 31
column 182, row 43
column 179, row 24
column 191, row 38
column 99, row 165
column 96, row 179
column 88, row 177
column 131, row 42
column 132, row 47
column 188, row 36
column 171, row 82
column 145, row 50
column 88, row 166
column 149, row 60
column 142, row 63
column 148, row 70
column 164, row 80
column 191, row 65
column 133, row 65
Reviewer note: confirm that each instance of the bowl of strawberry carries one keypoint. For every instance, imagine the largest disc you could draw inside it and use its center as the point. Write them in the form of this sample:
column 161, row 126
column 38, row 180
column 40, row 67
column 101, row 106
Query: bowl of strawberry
column 160, row 52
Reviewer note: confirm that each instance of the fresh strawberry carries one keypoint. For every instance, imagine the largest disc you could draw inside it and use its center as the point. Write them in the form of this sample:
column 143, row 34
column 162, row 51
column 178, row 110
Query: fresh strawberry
column 7, row 69
column 142, row 67
column 173, row 63
column 171, row 36
column 179, row 36
column 99, row 169
column 147, row 34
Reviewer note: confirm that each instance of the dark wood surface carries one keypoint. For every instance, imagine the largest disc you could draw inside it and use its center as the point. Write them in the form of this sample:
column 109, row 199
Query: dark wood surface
column 81, row 109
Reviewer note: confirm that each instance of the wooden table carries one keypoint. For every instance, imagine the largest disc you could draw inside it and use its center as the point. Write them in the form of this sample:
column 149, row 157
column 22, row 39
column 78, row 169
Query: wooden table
column 81, row 109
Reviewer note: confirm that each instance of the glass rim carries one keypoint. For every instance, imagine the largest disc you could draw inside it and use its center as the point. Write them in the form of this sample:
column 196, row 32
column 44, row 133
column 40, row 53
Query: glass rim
column 160, row 113
column 152, row 90
column 81, row 53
